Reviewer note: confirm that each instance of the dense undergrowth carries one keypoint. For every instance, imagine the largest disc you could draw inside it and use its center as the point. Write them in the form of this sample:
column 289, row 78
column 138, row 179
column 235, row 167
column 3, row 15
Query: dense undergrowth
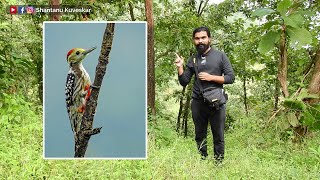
column 252, row 152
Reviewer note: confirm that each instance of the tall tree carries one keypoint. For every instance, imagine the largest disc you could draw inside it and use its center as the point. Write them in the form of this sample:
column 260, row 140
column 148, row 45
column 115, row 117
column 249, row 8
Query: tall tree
column 55, row 16
column 151, row 64
column 314, row 85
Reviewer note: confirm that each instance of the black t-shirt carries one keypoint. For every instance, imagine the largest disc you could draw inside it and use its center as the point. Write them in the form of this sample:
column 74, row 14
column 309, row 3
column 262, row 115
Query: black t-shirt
column 215, row 63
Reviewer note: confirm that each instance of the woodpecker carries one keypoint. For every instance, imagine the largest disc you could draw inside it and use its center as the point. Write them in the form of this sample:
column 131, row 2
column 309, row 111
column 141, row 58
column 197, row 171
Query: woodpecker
column 78, row 87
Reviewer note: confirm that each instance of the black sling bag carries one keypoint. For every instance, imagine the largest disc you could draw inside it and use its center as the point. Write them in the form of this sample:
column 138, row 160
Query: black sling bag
column 213, row 96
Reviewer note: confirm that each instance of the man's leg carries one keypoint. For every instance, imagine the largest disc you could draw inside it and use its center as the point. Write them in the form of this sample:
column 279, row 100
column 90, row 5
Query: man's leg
column 217, row 122
column 200, row 119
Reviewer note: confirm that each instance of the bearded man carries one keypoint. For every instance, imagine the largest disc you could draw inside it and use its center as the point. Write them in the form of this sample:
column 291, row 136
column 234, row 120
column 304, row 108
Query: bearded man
column 212, row 69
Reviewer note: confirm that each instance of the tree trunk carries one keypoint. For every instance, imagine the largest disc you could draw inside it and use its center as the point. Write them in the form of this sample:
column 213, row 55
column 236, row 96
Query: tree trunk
column 55, row 16
column 131, row 12
column 245, row 95
column 180, row 109
column 86, row 130
column 151, row 73
column 314, row 85
column 276, row 96
column 283, row 63
column 186, row 114
column 186, row 110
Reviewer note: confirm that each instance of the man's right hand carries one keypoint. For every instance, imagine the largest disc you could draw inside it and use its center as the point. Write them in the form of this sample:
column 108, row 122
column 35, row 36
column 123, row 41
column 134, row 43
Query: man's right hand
column 179, row 61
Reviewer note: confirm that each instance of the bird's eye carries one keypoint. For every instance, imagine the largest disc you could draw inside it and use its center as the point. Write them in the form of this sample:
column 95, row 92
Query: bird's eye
column 77, row 53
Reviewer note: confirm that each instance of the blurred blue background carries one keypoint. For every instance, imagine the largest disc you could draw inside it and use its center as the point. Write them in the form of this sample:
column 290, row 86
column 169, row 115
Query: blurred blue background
column 121, row 110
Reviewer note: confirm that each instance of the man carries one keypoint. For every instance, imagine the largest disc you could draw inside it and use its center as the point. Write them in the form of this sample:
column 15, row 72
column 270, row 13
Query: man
column 214, row 70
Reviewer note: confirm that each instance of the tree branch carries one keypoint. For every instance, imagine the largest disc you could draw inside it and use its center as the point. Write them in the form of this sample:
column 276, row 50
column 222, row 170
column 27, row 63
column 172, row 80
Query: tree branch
column 131, row 12
column 86, row 130
column 205, row 5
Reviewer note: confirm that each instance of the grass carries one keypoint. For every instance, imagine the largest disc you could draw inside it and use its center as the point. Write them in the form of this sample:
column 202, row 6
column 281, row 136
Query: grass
column 251, row 153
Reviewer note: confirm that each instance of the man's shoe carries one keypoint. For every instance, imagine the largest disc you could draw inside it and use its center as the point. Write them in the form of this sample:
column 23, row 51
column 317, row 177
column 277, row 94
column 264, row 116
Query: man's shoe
column 203, row 157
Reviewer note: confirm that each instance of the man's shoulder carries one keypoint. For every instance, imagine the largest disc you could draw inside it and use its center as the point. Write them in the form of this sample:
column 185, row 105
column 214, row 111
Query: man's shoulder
column 217, row 52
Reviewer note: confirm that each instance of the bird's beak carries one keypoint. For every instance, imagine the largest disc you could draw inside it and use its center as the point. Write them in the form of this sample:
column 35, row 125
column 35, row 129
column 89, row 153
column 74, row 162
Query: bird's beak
column 88, row 51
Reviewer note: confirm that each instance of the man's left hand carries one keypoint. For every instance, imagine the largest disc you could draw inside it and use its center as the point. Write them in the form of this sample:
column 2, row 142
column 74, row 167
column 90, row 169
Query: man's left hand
column 205, row 76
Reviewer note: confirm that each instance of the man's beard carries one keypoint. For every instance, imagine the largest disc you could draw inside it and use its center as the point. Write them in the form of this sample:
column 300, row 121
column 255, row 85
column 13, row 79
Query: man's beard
column 201, row 48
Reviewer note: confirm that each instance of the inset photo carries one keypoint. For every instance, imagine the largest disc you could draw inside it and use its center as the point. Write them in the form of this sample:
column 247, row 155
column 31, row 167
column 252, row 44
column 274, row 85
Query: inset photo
column 95, row 90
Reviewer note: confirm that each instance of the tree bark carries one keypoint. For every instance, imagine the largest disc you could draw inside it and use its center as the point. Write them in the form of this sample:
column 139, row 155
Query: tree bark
column 180, row 109
column 131, row 12
column 186, row 114
column 245, row 95
column 151, row 73
column 283, row 63
column 314, row 85
column 86, row 130
column 276, row 96
column 55, row 16
column 186, row 109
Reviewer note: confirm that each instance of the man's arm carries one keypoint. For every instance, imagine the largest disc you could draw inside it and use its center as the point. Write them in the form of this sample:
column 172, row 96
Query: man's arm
column 228, row 75
column 227, row 70
column 184, row 75
column 208, row 77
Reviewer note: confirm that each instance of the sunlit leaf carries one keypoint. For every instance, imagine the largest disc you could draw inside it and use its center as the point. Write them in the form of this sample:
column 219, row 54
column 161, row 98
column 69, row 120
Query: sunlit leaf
column 267, row 42
column 283, row 7
column 262, row 12
column 297, row 18
column 292, row 119
column 300, row 36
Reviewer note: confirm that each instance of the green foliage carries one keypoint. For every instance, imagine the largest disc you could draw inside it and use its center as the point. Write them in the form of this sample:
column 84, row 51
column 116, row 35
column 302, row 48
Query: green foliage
column 262, row 12
column 294, row 104
column 291, row 21
column 308, row 115
column 10, row 109
column 294, row 20
column 283, row 7
column 268, row 41
column 300, row 36
column 292, row 119
column 311, row 117
column 316, row 152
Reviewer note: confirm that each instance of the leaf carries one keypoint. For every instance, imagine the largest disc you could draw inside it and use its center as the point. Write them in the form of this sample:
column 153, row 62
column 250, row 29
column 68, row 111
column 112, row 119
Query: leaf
column 262, row 12
column 292, row 118
column 267, row 42
column 269, row 24
column 294, row 20
column 289, row 22
column 315, row 111
column 306, row 95
column 283, row 7
column 297, row 18
column 300, row 36
column 307, row 119
column 294, row 104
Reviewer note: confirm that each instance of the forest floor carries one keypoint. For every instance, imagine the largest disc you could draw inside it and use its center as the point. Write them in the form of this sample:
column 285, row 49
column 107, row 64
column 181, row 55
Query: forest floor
column 249, row 155
column 252, row 152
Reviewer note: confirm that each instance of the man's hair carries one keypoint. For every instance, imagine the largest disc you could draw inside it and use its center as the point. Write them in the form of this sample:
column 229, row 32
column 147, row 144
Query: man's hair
column 202, row 28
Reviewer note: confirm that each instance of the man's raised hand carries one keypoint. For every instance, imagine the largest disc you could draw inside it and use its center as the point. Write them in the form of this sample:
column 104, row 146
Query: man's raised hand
column 179, row 61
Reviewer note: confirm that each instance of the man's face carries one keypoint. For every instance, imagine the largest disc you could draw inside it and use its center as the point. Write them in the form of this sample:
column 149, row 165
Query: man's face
column 201, row 41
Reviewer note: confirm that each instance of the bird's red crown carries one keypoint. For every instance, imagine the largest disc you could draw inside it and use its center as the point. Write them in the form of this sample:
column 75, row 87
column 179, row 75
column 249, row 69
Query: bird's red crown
column 70, row 52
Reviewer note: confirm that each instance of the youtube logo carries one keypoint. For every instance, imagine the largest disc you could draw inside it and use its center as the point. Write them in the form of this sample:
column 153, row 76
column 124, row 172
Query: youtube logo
column 13, row 9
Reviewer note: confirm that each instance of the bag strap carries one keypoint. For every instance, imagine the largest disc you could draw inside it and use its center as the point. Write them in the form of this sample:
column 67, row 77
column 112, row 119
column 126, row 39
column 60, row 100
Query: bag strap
column 195, row 65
